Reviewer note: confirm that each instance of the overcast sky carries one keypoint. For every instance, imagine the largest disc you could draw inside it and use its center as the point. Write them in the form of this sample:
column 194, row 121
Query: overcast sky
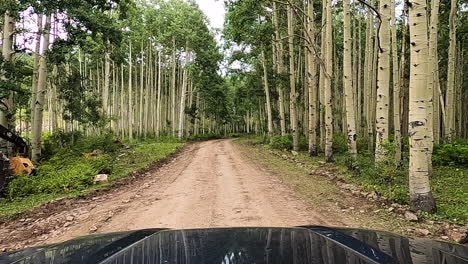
column 214, row 10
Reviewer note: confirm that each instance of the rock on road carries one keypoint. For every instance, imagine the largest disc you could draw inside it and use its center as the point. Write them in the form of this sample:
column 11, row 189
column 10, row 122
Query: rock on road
column 209, row 184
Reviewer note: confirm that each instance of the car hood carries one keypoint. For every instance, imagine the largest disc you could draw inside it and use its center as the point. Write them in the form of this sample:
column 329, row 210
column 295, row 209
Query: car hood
column 308, row 244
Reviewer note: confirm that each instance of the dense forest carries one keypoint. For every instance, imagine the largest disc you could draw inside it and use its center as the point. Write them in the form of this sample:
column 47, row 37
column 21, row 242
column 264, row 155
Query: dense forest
column 383, row 78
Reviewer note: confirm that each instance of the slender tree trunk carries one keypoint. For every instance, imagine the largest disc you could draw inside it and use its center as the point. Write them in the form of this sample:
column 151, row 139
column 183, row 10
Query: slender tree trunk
column 130, row 93
column 348, row 81
column 396, row 88
column 7, row 52
column 368, row 61
column 280, row 71
column 433, row 109
column 267, row 94
column 36, row 65
column 323, row 49
column 419, row 167
column 327, row 84
column 41, row 90
column 158, row 98
column 450, row 96
column 312, row 81
column 292, row 81
column 142, row 87
column 383, row 82
column 173, row 91
column 105, row 88
column 183, row 98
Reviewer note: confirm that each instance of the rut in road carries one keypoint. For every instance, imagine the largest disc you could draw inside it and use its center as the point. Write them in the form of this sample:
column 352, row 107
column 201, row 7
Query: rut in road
column 210, row 184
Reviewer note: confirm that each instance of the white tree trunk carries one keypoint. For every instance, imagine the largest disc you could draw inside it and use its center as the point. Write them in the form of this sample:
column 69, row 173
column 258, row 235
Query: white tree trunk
column 450, row 96
column 419, row 173
column 312, row 81
column 292, row 80
column 383, row 82
column 41, row 90
column 267, row 94
column 348, row 81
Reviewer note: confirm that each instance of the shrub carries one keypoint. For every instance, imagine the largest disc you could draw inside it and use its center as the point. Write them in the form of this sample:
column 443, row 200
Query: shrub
column 282, row 142
column 340, row 144
column 455, row 154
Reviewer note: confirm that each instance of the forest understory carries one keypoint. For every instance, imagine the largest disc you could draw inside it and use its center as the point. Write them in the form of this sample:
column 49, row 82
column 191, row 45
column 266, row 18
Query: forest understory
column 217, row 183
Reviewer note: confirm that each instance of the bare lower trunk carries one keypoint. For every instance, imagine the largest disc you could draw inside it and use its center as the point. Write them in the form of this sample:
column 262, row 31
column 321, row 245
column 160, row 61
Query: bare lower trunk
column 396, row 88
column 348, row 82
column 312, row 81
column 267, row 95
column 292, row 81
column 450, row 96
column 383, row 83
column 419, row 167
column 327, row 84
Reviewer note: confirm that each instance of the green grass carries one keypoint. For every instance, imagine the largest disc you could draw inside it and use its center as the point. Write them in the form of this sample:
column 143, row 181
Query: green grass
column 449, row 183
column 68, row 173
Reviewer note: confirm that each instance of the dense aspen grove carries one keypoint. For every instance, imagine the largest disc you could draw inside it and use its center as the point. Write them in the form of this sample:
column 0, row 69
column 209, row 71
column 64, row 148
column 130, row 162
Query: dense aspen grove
column 377, row 71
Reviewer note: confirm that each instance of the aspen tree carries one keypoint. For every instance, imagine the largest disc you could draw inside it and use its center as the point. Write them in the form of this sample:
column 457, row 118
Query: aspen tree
column 158, row 109
column 130, row 92
column 323, row 49
column 36, row 57
column 368, row 62
column 105, row 88
column 419, row 167
column 267, row 94
column 183, row 97
column 348, row 81
column 293, row 95
column 383, row 82
column 450, row 96
column 7, row 52
column 173, row 89
column 327, row 83
column 396, row 88
column 433, row 105
column 41, row 90
column 312, row 80
column 142, row 86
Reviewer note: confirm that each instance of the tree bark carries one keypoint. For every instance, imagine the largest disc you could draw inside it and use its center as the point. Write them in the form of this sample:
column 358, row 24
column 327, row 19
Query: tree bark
column 267, row 95
column 383, row 83
column 450, row 96
column 348, row 81
column 130, row 93
column 396, row 88
column 312, row 81
column 327, row 84
column 280, row 70
column 419, row 167
column 292, row 81
column 7, row 52
column 41, row 90
column 36, row 65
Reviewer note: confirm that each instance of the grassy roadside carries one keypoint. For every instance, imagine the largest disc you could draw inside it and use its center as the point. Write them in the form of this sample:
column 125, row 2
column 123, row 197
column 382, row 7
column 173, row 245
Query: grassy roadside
column 449, row 184
column 305, row 175
column 69, row 171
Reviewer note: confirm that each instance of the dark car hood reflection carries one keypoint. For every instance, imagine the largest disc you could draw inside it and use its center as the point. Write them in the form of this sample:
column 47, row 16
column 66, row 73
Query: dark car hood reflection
column 311, row 244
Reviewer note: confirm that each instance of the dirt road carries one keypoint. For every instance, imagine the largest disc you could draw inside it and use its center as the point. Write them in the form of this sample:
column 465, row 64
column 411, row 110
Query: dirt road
column 210, row 184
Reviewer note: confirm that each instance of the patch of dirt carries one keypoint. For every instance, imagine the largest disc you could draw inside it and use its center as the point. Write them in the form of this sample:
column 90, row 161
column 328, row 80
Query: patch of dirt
column 209, row 184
